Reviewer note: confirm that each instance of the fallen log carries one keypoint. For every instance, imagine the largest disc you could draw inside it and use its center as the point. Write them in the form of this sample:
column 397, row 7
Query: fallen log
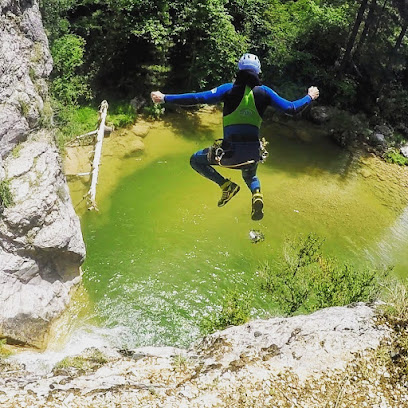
column 103, row 110
column 108, row 130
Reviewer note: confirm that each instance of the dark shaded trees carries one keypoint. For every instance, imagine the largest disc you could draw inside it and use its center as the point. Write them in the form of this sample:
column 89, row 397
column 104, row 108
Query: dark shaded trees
column 353, row 36
column 351, row 50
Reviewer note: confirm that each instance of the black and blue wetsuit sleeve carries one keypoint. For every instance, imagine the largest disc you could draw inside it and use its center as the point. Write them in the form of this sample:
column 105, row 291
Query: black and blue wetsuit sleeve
column 210, row 97
column 284, row 105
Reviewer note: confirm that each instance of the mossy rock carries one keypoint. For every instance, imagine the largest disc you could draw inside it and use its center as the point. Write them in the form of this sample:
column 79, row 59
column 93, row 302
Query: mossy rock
column 86, row 363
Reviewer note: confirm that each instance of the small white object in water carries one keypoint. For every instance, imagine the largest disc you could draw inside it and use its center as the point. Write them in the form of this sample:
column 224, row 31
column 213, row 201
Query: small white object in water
column 256, row 236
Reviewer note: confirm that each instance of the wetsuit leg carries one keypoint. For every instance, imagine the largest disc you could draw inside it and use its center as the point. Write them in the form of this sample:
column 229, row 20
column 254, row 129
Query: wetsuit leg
column 250, row 178
column 200, row 163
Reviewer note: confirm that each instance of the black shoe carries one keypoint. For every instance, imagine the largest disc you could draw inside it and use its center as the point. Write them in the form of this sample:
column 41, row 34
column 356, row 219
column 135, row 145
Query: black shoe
column 229, row 189
column 257, row 206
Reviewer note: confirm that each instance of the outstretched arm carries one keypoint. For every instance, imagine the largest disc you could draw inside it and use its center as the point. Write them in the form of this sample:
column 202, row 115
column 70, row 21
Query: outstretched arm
column 210, row 97
column 291, row 107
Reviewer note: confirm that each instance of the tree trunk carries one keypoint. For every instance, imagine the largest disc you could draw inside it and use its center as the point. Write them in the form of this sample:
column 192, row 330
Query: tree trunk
column 401, row 37
column 353, row 35
column 397, row 45
column 97, row 157
column 367, row 26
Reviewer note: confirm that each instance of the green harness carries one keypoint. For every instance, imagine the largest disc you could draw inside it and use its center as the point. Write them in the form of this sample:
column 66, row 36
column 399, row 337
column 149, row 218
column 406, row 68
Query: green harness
column 246, row 112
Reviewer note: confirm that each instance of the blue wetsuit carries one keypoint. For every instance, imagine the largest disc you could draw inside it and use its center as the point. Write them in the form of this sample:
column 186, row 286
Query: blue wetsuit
column 239, row 138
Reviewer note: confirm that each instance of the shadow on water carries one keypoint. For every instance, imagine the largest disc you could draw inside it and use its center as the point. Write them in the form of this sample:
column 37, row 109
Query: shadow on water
column 295, row 146
column 306, row 148
column 202, row 125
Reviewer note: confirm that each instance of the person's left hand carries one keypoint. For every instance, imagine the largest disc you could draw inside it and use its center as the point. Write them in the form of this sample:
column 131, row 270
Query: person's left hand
column 157, row 97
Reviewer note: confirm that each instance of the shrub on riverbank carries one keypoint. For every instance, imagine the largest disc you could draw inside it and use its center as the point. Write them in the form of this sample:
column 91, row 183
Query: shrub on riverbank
column 395, row 157
column 235, row 310
column 305, row 280
column 302, row 280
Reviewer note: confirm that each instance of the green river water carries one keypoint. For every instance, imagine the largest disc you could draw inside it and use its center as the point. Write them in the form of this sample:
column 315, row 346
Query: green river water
column 160, row 253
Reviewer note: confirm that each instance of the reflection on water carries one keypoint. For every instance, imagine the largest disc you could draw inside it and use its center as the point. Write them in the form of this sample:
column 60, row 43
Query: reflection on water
column 392, row 248
column 161, row 253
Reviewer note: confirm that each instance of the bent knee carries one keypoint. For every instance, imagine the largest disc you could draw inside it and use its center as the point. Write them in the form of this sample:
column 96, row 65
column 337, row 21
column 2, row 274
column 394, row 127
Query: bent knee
column 193, row 160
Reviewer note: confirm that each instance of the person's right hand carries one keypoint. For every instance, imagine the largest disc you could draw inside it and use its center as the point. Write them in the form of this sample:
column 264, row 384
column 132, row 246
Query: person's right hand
column 313, row 92
column 157, row 97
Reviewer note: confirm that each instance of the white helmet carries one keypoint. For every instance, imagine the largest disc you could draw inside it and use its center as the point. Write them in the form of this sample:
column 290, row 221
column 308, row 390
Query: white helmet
column 250, row 61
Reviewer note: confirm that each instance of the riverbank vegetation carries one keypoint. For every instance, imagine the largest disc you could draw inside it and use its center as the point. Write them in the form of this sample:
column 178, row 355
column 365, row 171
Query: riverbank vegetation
column 304, row 280
column 354, row 51
column 75, row 120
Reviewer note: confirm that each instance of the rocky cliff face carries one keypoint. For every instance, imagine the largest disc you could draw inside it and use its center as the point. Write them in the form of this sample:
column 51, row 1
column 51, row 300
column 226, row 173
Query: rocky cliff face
column 41, row 245
column 337, row 357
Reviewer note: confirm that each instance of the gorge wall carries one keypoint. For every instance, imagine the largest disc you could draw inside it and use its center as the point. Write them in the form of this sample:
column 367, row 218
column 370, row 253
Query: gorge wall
column 41, row 245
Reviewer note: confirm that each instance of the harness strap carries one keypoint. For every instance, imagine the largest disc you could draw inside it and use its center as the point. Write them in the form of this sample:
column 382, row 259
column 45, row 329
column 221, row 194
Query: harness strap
column 232, row 166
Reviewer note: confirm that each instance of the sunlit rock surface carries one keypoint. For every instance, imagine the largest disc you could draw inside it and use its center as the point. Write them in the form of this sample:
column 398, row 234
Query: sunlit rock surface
column 41, row 245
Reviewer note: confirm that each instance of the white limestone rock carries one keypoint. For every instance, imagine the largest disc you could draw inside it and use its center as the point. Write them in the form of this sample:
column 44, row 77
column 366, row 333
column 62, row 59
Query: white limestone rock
column 41, row 245
column 304, row 344
column 25, row 63
column 404, row 150
column 263, row 363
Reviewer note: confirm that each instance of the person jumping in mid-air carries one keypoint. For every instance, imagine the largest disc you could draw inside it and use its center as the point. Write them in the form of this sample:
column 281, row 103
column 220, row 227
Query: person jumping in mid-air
column 245, row 102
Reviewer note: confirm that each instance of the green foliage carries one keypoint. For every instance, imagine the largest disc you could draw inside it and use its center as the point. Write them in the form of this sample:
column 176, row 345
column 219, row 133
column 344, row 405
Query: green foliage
column 4, row 350
column 68, row 53
column 54, row 14
column 87, row 363
column 394, row 104
column 129, row 47
column 341, row 284
column 289, row 280
column 395, row 297
column 345, row 121
column 305, row 280
column 393, row 156
column 73, row 121
column 24, row 107
column 46, row 115
column 180, row 363
column 154, row 111
column 6, row 197
column 235, row 310
column 121, row 114
column 16, row 151
column 156, row 75
column 395, row 312
column 346, row 90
